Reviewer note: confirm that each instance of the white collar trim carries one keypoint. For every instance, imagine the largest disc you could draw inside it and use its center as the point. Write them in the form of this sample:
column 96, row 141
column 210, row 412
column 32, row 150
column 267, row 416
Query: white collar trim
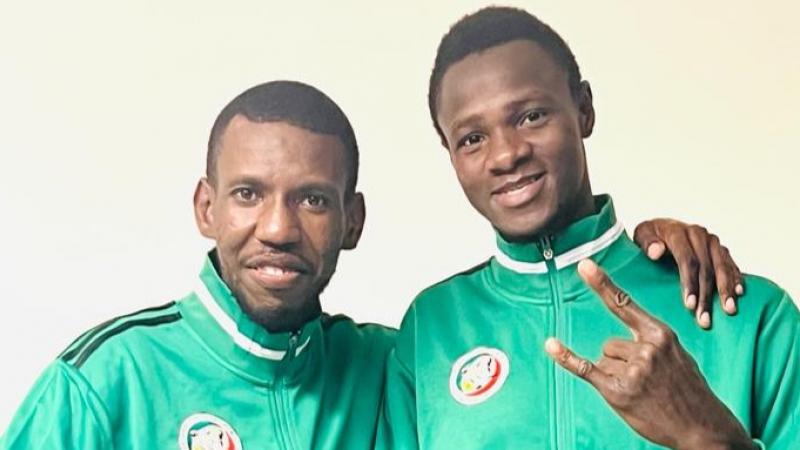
column 565, row 259
column 229, row 326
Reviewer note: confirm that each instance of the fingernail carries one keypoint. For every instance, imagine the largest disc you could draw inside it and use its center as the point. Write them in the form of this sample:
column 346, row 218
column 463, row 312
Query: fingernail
column 587, row 267
column 691, row 301
column 655, row 250
column 730, row 305
column 551, row 346
column 705, row 319
column 739, row 289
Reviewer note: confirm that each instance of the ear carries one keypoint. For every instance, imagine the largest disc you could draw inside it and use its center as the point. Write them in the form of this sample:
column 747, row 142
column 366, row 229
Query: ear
column 356, row 213
column 586, row 109
column 203, row 208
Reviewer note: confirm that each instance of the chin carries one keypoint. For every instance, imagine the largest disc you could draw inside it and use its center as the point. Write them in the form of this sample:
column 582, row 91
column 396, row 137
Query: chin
column 286, row 315
column 522, row 228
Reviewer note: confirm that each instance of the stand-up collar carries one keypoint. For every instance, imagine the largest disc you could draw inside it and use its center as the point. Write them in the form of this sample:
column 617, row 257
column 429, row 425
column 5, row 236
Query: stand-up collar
column 245, row 346
column 531, row 270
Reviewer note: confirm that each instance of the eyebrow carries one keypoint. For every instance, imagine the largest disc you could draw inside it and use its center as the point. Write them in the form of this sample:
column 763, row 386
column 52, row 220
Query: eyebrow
column 326, row 188
column 461, row 122
column 516, row 105
column 247, row 180
column 513, row 106
column 329, row 189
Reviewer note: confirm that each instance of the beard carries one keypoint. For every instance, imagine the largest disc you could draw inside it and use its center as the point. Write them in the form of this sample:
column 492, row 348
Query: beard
column 284, row 318
column 288, row 317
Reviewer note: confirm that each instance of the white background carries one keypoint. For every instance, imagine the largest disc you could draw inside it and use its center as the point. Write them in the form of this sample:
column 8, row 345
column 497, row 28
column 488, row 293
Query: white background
column 105, row 109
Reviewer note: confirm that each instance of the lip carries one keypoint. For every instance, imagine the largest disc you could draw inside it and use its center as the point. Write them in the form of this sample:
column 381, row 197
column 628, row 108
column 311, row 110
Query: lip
column 518, row 192
column 277, row 271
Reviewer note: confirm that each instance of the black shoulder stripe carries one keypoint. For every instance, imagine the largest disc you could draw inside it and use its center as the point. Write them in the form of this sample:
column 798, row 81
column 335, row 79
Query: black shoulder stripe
column 148, row 322
column 469, row 271
column 330, row 320
column 68, row 353
column 327, row 320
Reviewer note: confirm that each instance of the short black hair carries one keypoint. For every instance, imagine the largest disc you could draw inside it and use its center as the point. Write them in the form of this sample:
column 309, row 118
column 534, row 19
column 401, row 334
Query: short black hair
column 490, row 27
column 295, row 103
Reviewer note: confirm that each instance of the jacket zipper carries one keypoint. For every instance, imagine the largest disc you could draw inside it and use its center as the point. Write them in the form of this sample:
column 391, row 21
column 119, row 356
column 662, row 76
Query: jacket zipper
column 546, row 246
column 282, row 399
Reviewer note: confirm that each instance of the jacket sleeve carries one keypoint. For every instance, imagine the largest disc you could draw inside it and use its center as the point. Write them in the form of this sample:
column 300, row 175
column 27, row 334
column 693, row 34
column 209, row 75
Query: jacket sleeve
column 397, row 429
column 60, row 412
column 777, row 377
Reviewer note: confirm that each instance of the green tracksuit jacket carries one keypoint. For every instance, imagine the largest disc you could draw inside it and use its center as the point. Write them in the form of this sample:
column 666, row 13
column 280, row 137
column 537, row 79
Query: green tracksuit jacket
column 469, row 370
column 197, row 374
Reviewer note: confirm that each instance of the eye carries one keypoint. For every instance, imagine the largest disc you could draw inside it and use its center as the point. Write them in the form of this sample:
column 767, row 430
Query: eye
column 533, row 117
column 315, row 201
column 245, row 195
column 470, row 141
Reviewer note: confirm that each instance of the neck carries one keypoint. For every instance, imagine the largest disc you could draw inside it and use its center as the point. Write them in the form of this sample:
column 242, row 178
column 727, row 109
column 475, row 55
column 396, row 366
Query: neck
column 583, row 206
column 281, row 320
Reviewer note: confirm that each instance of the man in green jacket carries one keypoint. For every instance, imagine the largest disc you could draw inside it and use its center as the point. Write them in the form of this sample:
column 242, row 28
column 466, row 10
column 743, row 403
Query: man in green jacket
column 469, row 369
column 247, row 360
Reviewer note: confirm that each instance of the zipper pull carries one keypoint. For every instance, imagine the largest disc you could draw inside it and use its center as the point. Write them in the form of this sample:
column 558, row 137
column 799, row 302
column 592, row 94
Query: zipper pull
column 547, row 248
column 294, row 338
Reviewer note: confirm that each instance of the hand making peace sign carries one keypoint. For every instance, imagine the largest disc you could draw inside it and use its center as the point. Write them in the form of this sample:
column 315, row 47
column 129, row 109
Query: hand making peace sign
column 651, row 381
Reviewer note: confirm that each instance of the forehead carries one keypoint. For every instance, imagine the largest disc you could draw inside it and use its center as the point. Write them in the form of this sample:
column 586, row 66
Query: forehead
column 271, row 149
column 512, row 71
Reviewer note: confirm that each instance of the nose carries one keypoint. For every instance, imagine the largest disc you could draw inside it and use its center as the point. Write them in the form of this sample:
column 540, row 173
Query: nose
column 507, row 151
column 278, row 225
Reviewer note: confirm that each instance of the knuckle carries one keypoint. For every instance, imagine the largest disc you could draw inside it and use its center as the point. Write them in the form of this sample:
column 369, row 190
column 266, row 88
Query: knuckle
column 621, row 298
column 584, row 367
column 647, row 354
column 634, row 376
column 714, row 239
column 698, row 230
column 663, row 337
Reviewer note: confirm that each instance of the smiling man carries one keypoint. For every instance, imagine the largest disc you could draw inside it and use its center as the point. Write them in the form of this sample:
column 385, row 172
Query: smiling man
column 469, row 370
column 247, row 360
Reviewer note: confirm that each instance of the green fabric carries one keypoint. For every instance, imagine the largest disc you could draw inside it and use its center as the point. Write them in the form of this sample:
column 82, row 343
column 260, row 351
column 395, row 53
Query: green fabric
column 751, row 360
column 133, row 381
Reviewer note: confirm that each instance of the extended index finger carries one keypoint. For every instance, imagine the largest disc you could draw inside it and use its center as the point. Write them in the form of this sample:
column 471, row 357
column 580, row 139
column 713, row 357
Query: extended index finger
column 616, row 300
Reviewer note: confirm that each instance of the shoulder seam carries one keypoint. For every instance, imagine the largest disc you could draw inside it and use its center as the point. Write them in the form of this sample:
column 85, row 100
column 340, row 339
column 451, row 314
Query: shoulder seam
column 147, row 322
column 72, row 374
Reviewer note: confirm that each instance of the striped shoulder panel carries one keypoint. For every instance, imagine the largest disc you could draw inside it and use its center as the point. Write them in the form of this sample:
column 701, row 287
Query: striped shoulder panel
column 328, row 321
column 80, row 349
column 464, row 273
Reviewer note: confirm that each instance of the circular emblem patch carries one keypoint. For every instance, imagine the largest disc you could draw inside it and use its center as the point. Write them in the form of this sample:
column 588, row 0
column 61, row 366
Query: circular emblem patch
column 207, row 432
column 478, row 374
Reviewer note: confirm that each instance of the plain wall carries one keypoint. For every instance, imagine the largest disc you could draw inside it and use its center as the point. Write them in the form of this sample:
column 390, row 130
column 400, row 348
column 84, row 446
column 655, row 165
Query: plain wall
column 105, row 109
